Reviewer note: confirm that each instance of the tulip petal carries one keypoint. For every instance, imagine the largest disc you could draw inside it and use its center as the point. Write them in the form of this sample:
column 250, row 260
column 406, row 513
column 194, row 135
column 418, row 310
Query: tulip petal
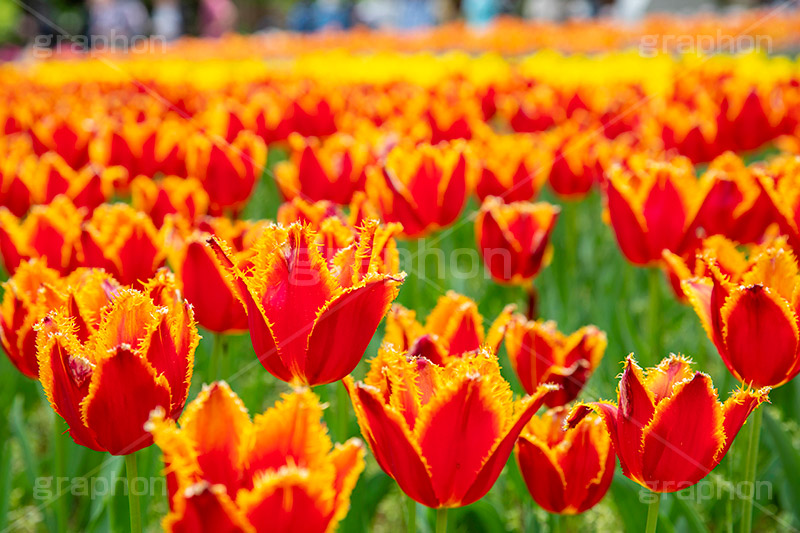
column 499, row 456
column 288, row 501
column 65, row 380
column 467, row 417
column 260, row 328
column 124, row 389
column 629, row 226
column 353, row 315
column 684, row 437
column 634, row 413
column 215, row 306
column 735, row 410
column 289, row 432
column 391, row 443
column 218, row 425
column 588, row 465
column 348, row 460
column 758, row 321
column 542, row 474
column 206, row 509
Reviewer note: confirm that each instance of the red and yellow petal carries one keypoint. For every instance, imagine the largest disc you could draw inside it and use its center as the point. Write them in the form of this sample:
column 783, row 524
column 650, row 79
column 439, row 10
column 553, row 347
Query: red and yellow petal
column 353, row 315
column 124, row 389
column 758, row 321
column 542, row 474
column 735, row 411
column 206, row 508
column 684, row 437
column 391, row 443
column 290, row 431
column 503, row 447
column 219, row 427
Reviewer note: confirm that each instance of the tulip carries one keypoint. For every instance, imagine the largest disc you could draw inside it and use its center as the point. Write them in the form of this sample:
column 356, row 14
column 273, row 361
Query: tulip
column 514, row 167
column 575, row 168
column 228, row 172
column 751, row 316
column 729, row 260
column 733, row 204
column 668, row 428
column 206, row 285
column 22, row 307
column 124, row 242
column 539, row 353
column 514, row 239
column 422, row 187
column 307, row 324
column 64, row 134
column 135, row 354
column 452, row 329
column 170, row 196
column 279, row 472
column 781, row 182
column 567, row 471
column 651, row 208
column 443, row 433
column 52, row 232
column 332, row 169
column 144, row 148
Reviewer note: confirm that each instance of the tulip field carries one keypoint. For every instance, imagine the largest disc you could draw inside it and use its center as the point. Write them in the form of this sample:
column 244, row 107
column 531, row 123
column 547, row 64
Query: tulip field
column 535, row 277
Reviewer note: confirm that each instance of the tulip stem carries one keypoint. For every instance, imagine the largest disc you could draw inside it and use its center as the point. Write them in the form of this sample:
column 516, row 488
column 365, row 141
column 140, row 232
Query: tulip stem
column 441, row 520
column 342, row 406
column 217, row 354
column 133, row 496
column 654, row 318
column 750, row 473
column 652, row 512
column 533, row 302
column 412, row 515
column 59, row 457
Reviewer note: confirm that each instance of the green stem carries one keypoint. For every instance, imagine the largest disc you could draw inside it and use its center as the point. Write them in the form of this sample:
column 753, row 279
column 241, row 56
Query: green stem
column 750, row 472
column 556, row 525
column 652, row 513
column 441, row 520
column 654, row 316
column 343, row 411
column 5, row 483
column 411, row 522
column 217, row 353
column 133, row 496
column 60, row 462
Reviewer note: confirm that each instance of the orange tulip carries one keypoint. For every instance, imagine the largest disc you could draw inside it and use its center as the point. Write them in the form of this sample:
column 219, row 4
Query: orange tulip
column 228, row 172
column 422, row 187
column 539, row 353
column 668, row 428
column 278, row 473
column 206, row 285
column 22, row 307
column 52, row 232
column 567, row 471
column 514, row 239
column 754, row 315
column 453, row 328
column 310, row 323
column 172, row 195
column 443, row 433
column 104, row 372
column 124, row 242
column 651, row 208
column 65, row 134
column 332, row 169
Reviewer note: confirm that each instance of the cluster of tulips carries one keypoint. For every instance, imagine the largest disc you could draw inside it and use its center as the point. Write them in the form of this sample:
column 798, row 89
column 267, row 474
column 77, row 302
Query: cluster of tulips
column 121, row 231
